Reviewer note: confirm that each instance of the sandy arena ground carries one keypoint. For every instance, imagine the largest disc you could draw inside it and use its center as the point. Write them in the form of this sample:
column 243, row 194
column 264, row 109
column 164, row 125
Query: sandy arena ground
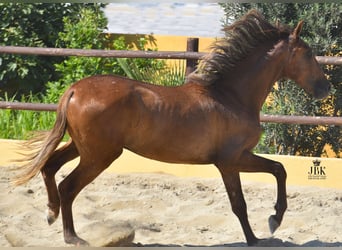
column 173, row 209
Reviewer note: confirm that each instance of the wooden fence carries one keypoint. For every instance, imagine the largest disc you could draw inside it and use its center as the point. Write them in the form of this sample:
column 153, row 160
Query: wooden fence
column 191, row 56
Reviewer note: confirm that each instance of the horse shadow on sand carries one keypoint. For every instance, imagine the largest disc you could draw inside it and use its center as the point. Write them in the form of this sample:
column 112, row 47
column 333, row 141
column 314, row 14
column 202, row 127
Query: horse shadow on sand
column 271, row 242
column 267, row 242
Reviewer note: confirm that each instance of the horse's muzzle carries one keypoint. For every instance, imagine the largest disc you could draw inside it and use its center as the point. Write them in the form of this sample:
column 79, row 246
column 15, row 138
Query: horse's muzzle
column 322, row 89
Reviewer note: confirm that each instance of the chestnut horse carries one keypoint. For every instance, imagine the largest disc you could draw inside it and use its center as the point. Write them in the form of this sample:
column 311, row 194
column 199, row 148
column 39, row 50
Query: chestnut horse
column 213, row 118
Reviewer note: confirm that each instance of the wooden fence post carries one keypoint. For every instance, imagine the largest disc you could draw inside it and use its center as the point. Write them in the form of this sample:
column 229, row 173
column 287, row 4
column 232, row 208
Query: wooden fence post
column 191, row 46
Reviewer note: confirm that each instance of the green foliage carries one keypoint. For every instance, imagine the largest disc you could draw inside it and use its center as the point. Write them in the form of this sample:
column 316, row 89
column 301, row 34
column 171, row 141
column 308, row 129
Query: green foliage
column 173, row 75
column 322, row 29
column 16, row 124
column 142, row 69
column 83, row 32
column 36, row 25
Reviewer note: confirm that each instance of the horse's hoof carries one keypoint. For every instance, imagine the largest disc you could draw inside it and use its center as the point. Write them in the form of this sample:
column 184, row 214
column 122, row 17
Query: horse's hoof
column 253, row 242
column 273, row 224
column 270, row 242
column 76, row 241
column 82, row 243
column 50, row 216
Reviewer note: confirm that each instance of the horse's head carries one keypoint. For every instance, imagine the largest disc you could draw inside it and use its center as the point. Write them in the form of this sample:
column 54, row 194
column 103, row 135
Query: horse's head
column 303, row 68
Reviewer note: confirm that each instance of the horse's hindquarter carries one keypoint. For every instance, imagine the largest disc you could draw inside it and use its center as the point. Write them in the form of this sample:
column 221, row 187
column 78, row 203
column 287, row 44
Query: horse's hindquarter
column 176, row 124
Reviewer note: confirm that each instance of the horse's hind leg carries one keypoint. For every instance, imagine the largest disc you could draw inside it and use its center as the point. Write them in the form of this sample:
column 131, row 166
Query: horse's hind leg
column 61, row 156
column 87, row 170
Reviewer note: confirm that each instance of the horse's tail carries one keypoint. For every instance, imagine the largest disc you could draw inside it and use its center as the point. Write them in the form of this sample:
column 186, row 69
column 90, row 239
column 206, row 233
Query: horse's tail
column 44, row 144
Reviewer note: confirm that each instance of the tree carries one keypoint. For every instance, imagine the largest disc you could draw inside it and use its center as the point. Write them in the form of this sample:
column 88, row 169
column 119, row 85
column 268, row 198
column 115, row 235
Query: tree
column 322, row 29
column 36, row 25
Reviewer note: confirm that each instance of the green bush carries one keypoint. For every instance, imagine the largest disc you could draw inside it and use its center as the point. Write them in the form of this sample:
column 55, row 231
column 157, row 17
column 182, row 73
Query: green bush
column 18, row 124
column 34, row 25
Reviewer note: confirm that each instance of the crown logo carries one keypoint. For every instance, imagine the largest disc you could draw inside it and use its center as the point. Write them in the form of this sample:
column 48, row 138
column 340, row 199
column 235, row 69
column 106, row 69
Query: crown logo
column 316, row 162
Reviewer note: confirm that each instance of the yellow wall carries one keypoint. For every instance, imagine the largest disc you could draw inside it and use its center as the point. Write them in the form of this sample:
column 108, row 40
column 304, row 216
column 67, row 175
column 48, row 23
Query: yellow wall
column 297, row 167
column 178, row 43
column 166, row 43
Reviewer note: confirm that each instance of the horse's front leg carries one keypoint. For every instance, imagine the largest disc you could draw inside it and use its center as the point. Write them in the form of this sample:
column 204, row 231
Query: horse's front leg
column 231, row 179
column 253, row 163
column 249, row 162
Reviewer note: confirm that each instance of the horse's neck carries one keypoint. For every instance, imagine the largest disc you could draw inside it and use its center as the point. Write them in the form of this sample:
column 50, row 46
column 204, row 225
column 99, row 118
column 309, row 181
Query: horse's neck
column 254, row 77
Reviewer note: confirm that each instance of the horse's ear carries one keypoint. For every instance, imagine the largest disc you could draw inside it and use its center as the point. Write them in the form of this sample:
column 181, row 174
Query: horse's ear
column 297, row 30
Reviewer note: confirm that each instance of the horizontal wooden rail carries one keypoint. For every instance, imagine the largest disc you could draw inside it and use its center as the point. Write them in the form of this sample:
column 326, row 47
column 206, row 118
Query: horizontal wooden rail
column 287, row 119
column 28, row 106
column 100, row 53
column 331, row 60
column 304, row 120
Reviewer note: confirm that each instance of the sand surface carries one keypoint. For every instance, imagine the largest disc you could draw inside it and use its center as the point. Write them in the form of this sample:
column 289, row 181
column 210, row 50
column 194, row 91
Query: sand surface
column 164, row 210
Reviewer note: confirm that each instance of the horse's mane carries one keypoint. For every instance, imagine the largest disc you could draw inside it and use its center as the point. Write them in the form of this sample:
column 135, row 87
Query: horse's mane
column 241, row 38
